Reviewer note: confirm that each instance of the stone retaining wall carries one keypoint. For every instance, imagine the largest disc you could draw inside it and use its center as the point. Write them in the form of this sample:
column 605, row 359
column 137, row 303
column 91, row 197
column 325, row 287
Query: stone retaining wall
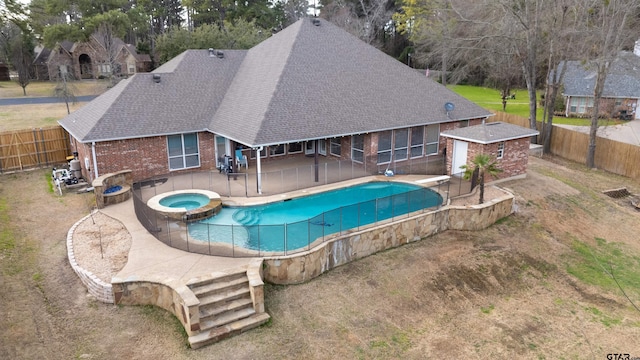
column 101, row 183
column 305, row 266
column 96, row 287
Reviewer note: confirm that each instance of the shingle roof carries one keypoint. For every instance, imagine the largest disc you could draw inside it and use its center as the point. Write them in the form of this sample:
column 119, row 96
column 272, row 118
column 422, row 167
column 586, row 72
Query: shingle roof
column 488, row 133
column 305, row 82
column 623, row 79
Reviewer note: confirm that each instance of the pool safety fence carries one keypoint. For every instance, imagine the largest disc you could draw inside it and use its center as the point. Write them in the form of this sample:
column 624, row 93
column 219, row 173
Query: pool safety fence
column 251, row 239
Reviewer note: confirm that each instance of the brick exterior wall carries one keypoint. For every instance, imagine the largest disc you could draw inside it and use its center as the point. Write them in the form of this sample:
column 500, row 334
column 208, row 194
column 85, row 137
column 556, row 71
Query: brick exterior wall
column 514, row 160
column 147, row 157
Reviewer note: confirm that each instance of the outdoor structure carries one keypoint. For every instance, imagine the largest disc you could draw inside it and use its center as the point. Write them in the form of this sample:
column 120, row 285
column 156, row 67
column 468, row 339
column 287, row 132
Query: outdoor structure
column 310, row 90
column 507, row 143
column 89, row 60
column 621, row 89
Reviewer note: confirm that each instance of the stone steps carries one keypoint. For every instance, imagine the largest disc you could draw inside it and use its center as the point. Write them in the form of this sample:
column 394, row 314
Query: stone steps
column 226, row 308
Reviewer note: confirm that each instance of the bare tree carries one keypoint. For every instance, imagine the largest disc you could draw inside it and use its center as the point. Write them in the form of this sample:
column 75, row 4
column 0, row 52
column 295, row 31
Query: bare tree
column 610, row 26
column 22, row 59
column 559, row 37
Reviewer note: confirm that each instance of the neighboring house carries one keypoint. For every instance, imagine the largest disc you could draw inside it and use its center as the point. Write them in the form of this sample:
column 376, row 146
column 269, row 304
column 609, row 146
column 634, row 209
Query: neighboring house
column 508, row 144
column 89, row 60
column 310, row 89
column 621, row 92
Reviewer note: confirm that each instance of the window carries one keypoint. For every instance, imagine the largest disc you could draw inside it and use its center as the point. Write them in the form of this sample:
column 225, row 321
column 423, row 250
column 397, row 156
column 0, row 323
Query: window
column 500, row 150
column 417, row 141
column 263, row 153
column 433, row 136
column 276, row 150
column 401, row 141
column 357, row 148
column 295, row 148
column 384, row 147
column 464, row 123
column 335, row 146
column 183, row 151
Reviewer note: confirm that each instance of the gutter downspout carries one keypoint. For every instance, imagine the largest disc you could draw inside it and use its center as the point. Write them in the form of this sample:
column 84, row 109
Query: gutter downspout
column 258, row 170
column 94, row 158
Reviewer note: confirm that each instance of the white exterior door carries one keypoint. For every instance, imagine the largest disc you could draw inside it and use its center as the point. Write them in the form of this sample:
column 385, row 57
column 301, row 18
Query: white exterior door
column 459, row 157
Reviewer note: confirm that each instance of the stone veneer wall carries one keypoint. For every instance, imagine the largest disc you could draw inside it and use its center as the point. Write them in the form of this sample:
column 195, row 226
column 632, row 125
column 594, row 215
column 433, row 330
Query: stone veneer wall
column 96, row 287
column 177, row 298
column 302, row 267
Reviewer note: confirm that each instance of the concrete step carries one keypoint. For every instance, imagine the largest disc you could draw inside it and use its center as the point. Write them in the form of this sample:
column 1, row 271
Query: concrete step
column 233, row 305
column 225, row 318
column 220, row 286
column 220, row 298
column 214, row 335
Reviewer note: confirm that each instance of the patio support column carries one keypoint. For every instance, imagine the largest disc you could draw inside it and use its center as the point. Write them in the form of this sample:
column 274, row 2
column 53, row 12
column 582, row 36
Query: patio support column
column 315, row 161
column 258, row 170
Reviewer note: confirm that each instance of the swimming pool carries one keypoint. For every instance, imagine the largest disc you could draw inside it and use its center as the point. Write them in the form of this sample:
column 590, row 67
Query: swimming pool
column 294, row 224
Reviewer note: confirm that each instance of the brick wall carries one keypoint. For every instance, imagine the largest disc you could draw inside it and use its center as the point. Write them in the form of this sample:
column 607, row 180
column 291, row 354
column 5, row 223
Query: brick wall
column 514, row 160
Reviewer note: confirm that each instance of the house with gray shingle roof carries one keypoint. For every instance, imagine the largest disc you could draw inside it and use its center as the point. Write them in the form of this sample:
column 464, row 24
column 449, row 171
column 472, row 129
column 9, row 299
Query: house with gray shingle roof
column 508, row 144
column 311, row 89
column 621, row 92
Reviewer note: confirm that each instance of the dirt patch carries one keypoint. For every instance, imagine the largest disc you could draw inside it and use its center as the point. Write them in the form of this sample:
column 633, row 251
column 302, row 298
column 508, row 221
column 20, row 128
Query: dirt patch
column 501, row 292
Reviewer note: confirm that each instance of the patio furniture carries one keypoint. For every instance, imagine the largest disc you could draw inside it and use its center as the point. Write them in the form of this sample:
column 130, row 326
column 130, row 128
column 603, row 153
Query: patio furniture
column 241, row 159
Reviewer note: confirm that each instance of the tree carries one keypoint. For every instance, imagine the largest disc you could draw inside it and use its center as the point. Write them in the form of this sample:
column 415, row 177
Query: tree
column 483, row 164
column 64, row 90
column 241, row 35
column 610, row 25
column 107, row 27
column 22, row 58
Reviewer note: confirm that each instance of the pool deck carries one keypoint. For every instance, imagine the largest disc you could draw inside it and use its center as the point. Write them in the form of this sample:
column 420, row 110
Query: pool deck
column 151, row 260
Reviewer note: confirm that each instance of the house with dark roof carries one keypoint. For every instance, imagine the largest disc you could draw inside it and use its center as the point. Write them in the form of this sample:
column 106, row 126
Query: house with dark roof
column 508, row 144
column 311, row 89
column 621, row 93
column 89, row 59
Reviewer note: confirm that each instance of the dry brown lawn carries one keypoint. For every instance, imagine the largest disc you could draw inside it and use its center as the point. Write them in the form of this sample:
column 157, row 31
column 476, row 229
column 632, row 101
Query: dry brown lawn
column 17, row 117
column 524, row 288
column 11, row 89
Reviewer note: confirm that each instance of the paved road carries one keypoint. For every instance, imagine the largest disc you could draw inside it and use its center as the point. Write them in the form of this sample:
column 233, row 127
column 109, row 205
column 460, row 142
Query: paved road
column 41, row 100
column 628, row 132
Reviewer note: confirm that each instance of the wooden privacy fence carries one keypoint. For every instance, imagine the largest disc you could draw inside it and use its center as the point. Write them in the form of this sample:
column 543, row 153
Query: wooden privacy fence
column 613, row 156
column 33, row 148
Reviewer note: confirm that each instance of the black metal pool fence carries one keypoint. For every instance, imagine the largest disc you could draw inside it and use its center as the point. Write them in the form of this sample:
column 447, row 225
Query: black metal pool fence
column 251, row 239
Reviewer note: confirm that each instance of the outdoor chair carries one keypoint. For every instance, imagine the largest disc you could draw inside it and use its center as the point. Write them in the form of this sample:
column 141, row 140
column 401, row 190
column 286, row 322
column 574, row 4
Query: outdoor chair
column 241, row 159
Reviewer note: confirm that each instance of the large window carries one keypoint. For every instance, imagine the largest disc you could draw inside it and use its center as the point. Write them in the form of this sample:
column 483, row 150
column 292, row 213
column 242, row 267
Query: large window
column 357, row 148
column 276, row 150
column 384, row 147
column 295, row 148
column 183, row 151
column 433, row 136
column 335, row 146
column 580, row 105
column 401, row 141
column 263, row 153
column 417, row 141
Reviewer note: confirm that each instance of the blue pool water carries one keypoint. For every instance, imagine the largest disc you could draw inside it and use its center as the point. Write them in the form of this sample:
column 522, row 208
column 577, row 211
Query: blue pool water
column 294, row 224
column 187, row 201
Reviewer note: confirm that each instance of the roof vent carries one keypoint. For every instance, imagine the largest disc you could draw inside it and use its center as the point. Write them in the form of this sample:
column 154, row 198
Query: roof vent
column 219, row 54
column 212, row 52
column 156, row 78
column 316, row 22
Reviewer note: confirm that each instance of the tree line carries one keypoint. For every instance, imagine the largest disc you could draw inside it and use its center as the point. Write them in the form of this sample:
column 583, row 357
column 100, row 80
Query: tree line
column 504, row 44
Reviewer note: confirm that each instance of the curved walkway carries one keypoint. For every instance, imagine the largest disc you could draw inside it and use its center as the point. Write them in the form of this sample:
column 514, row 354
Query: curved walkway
column 151, row 260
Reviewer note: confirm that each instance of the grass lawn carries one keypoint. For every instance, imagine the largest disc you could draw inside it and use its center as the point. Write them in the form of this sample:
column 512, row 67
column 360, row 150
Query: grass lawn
column 490, row 99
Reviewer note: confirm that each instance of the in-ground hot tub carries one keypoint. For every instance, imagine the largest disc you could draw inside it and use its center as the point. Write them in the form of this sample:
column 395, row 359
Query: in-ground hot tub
column 187, row 205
